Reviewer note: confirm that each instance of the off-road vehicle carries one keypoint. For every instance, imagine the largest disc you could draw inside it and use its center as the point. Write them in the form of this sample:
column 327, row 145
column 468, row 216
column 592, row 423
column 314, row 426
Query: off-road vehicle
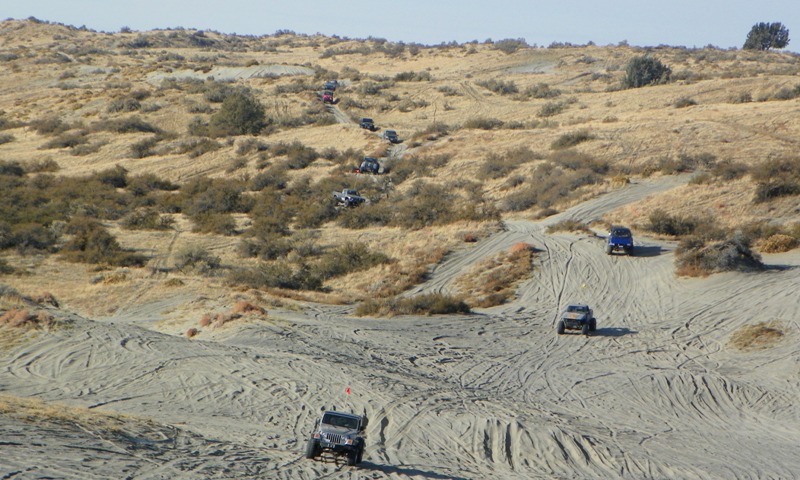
column 338, row 434
column 348, row 198
column 327, row 97
column 619, row 238
column 391, row 135
column 368, row 123
column 331, row 85
column 369, row 165
column 577, row 317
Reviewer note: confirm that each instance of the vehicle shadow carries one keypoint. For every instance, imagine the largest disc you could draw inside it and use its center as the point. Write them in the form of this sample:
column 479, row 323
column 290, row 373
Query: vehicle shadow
column 648, row 251
column 407, row 471
column 613, row 332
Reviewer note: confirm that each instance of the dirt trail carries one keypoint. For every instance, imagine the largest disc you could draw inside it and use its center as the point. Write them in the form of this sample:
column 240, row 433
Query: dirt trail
column 656, row 393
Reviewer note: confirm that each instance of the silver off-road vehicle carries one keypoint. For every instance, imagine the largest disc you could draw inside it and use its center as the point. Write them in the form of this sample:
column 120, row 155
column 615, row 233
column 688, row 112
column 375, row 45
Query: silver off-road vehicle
column 338, row 434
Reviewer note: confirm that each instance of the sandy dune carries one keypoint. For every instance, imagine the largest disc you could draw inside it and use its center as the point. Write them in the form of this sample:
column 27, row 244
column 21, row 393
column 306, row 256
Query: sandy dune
column 656, row 393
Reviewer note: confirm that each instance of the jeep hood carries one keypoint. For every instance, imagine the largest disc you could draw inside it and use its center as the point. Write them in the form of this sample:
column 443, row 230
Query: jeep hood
column 575, row 315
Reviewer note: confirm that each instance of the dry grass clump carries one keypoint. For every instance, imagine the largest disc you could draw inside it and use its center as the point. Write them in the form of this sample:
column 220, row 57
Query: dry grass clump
column 34, row 410
column 777, row 243
column 427, row 304
column 757, row 337
column 569, row 225
column 16, row 318
column 239, row 310
column 493, row 281
column 695, row 257
column 192, row 332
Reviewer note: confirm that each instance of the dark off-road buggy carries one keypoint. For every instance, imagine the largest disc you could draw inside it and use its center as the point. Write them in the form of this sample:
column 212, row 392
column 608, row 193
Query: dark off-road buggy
column 577, row 317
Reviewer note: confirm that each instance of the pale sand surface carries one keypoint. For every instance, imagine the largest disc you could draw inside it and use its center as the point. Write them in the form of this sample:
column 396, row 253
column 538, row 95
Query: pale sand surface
column 657, row 392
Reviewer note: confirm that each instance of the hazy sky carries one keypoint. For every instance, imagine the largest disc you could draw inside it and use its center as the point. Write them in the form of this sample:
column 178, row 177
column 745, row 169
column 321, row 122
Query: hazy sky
column 689, row 23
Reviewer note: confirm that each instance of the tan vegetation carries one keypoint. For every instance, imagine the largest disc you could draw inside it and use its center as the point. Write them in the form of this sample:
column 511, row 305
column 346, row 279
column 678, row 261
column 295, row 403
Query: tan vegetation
column 150, row 123
column 758, row 336
column 494, row 280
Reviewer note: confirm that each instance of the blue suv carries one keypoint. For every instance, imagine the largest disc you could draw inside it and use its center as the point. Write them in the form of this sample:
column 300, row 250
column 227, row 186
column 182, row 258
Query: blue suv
column 619, row 238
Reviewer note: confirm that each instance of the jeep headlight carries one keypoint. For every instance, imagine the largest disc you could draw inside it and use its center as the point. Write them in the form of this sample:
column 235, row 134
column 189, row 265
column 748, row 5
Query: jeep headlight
column 348, row 441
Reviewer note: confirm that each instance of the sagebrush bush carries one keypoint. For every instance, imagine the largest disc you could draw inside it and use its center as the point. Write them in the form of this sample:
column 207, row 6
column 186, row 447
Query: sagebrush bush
column 571, row 139
column 197, row 259
column 147, row 219
column 278, row 274
column 499, row 86
column 90, row 242
column 483, row 123
column 695, row 257
column 426, row 304
column 645, row 70
column 347, row 258
column 240, row 114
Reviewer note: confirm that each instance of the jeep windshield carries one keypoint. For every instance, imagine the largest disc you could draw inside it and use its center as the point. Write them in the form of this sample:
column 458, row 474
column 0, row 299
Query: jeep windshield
column 340, row 421
column 621, row 232
column 578, row 308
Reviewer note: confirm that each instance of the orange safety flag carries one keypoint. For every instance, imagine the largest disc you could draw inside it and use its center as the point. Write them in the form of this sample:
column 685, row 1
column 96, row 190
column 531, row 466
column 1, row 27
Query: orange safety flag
column 347, row 390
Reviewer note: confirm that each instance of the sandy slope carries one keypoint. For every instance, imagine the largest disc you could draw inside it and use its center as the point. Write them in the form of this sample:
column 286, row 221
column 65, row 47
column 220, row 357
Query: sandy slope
column 656, row 393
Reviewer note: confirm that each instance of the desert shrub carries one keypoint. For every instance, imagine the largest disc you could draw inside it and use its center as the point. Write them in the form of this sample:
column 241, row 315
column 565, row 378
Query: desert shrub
column 645, row 70
column 197, row 259
column 569, row 225
column 217, row 92
column 434, row 131
column 497, row 166
column 662, row 222
column 272, row 178
column 759, row 336
column 540, row 90
column 240, row 114
column 370, row 215
column 141, row 185
column 298, row 156
column 27, row 237
column 18, row 318
column 423, row 76
column 575, row 160
column 684, row 102
column 571, row 139
column 695, row 257
column 213, row 222
column 373, row 88
column 777, row 243
column 125, row 104
column 510, row 45
column 276, row 275
column 499, row 86
column 426, row 304
column 196, row 147
column 90, row 242
column 550, row 109
column 448, row 91
column 126, row 125
column 494, row 280
column 116, row 177
column 147, row 219
column 741, row 97
column 191, row 332
column 67, row 140
column 144, row 148
column 727, row 170
column 347, row 258
column 250, row 145
column 6, row 138
column 205, row 195
column 50, row 126
column 5, row 268
column 39, row 166
column 776, row 178
column 483, row 123
column 13, row 169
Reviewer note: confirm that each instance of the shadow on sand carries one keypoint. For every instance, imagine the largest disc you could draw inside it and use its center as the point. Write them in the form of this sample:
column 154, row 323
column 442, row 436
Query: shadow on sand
column 613, row 332
column 648, row 251
column 407, row 471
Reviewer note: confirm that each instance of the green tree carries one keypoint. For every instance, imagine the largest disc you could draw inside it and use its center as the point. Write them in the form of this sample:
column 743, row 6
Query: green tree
column 240, row 114
column 645, row 70
column 764, row 36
